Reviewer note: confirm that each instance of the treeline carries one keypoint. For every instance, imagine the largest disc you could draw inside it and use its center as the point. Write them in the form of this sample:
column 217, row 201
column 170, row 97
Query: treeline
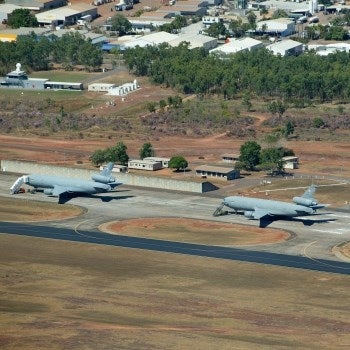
column 307, row 76
column 37, row 53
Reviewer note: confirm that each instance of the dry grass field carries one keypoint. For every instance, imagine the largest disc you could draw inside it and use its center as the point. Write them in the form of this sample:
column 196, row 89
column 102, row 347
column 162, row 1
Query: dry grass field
column 61, row 295
column 14, row 209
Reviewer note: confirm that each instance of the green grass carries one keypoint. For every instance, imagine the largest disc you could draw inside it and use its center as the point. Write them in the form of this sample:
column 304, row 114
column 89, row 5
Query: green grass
column 74, row 77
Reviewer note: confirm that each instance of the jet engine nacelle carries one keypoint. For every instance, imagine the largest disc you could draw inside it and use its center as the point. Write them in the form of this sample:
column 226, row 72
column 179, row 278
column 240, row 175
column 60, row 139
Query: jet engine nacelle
column 305, row 201
column 249, row 214
column 48, row 191
column 103, row 179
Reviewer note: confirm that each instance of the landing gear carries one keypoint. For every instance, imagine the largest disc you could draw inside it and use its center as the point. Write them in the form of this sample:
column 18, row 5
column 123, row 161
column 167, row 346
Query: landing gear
column 219, row 211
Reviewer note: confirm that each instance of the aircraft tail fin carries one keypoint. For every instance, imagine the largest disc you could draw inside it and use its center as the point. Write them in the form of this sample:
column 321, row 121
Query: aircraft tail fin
column 107, row 170
column 309, row 193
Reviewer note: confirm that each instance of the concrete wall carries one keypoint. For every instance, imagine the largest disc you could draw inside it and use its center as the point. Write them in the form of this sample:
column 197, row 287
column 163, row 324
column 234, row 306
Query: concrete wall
column 24, row 167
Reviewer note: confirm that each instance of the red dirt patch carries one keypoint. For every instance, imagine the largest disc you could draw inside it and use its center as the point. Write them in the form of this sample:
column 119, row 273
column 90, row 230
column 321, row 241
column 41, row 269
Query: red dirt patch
column 195, row 231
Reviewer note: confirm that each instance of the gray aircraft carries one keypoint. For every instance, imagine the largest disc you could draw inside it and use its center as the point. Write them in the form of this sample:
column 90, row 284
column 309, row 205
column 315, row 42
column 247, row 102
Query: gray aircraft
column 59, row 186
column 267, row 210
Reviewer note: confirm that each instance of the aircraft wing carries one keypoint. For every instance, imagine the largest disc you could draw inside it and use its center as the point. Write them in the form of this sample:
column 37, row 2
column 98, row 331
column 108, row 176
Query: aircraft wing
column 58, row 190
column 260, row 213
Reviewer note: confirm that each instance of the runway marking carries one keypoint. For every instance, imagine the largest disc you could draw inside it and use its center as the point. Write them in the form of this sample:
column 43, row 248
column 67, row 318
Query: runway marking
column 318, row 261
column 336, row 232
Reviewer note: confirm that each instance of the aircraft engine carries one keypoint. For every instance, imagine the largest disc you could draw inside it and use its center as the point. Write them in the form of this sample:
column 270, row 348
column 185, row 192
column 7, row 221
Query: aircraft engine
column 249, row 214
column 48, row 191
column 103, row 179
column 305, row 201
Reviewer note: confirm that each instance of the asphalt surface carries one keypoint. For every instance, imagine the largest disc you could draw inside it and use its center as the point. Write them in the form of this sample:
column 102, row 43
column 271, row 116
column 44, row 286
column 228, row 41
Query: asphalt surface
column 310, row 246
column 96, row 237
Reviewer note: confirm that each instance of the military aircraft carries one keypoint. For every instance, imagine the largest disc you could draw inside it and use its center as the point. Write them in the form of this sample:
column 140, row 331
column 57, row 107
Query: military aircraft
column 267, row 210
column 58, row 186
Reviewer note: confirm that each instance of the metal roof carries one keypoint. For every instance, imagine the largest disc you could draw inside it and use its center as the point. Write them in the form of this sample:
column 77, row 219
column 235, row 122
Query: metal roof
column 215, row 169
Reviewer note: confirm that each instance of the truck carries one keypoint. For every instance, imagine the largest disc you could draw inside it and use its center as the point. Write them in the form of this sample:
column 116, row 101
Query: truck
column 124, row 5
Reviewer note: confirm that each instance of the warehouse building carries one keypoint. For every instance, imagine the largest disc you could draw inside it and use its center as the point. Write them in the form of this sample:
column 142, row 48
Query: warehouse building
column 221, row 173
column 37, row 5
column 68, row 15
column 286, row 48
column 195, row 40
column 279, row 27
column 237, row 45
column 6, row 10
column 12, row 34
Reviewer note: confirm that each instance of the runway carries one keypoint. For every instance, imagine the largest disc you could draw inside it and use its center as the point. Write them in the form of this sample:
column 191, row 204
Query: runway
column 96, row 237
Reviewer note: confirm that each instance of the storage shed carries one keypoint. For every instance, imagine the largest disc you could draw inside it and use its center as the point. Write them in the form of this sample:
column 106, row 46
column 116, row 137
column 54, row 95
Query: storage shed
column 290, row 162
column 230, row 157
column 221, row 173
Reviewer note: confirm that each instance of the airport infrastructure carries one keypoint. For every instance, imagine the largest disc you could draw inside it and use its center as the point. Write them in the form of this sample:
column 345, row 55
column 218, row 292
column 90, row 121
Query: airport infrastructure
column 312, row 241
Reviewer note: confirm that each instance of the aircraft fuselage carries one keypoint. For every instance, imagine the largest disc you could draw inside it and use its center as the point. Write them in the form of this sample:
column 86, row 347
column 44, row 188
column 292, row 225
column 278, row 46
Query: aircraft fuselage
column 75, row 185
column 272, row 207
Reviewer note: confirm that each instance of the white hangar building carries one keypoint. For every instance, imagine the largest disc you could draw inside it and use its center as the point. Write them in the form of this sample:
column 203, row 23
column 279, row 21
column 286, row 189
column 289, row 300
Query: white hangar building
column 67, row 14
column 276, row 27
column 237, row 45
column 286, row 48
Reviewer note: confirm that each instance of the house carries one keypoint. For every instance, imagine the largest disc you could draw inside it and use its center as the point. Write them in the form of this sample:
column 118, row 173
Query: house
column 221, row 173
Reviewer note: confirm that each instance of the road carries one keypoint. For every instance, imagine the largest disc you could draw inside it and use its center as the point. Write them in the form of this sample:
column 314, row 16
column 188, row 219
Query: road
column 310, row 246
column 96, row 237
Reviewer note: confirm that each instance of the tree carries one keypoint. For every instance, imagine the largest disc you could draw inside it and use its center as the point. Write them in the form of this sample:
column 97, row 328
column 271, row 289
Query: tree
column 98, row 157
column 217, row 30
column 250, row 154
column 120, row 24
column 279, row 14
column 22, row 18
column 118, row 154
column 146, row 150
column 251, row 17
column 277, row 107
column 246, row 101
column 289, row 128
column 178, row 162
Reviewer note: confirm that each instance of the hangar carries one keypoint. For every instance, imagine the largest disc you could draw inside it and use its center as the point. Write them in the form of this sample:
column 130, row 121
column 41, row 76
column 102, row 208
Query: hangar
column 237, row 45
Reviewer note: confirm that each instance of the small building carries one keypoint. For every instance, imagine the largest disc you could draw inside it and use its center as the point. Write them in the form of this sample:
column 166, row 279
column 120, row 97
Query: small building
column 117, row 168
column 221, row 173
column 100, row 87
column 124, row 89
column 290, row 162
column 286, row 48
column 230, row 158
column 164, row 161
column 142, row 164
